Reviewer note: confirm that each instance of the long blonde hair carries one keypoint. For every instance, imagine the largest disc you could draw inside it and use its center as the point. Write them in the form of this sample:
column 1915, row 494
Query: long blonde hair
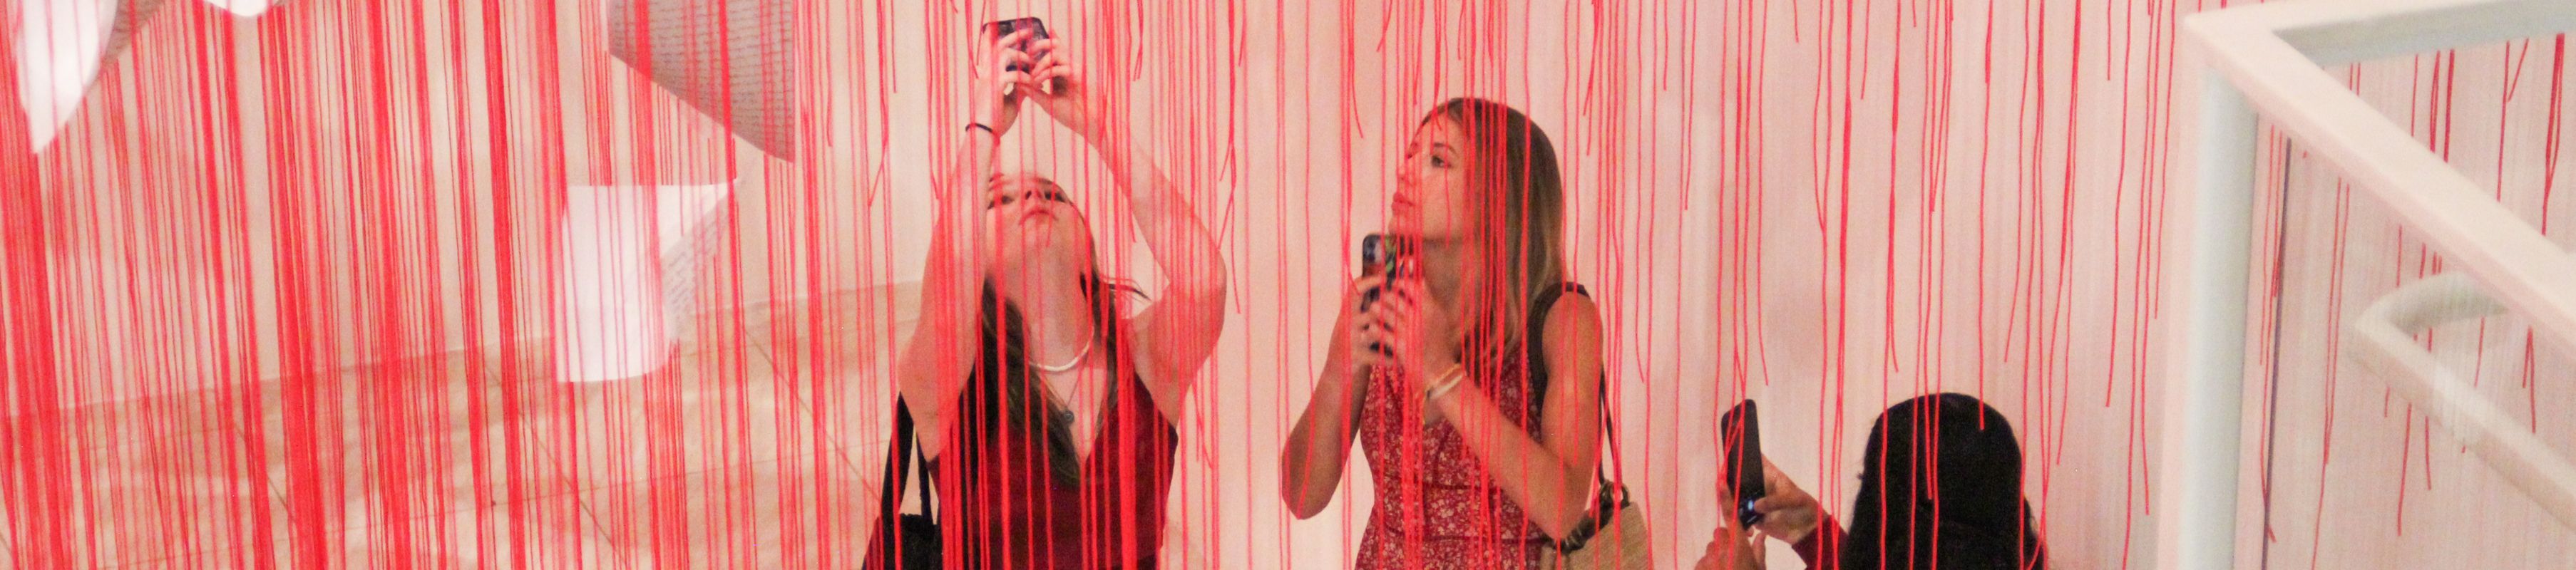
column 1524, row 210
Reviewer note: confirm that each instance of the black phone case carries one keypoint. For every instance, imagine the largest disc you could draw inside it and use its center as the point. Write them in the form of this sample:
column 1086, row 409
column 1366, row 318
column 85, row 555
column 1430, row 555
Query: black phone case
column 1006, row 27
column 1741, row 430
column 1380, row 254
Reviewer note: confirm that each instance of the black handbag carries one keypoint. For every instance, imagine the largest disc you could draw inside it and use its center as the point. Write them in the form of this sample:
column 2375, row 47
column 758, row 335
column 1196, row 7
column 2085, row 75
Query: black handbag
column 916, row 543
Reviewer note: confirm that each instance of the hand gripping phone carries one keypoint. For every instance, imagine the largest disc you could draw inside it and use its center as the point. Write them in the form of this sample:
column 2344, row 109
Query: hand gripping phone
column 1382, row 254
column 1007, row 27
column 1740, row 430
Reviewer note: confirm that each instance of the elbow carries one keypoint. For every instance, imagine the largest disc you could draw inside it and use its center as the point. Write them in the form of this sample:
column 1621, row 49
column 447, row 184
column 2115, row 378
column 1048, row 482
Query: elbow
column 1301, row 506
column 1204, row 297
column 1558, row 524
column 1198, row 270
column 1205, row 287
column 1302, row 499
column 1295, row 497
column 1559, row 518
column 1304, row 507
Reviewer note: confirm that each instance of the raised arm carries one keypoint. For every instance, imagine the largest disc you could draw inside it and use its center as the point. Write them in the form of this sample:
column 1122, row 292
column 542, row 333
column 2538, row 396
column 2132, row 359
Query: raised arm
column 942, row 350
column 1319, row 447
column 1180, row 330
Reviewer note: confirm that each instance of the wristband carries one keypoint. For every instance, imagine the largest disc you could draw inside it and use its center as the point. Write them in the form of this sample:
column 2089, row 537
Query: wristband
column 1440, row 385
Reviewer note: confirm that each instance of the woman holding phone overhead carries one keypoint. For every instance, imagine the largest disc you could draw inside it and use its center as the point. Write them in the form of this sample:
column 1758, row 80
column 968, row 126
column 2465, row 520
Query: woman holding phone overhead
column 1469, row 369
column 1043, row 417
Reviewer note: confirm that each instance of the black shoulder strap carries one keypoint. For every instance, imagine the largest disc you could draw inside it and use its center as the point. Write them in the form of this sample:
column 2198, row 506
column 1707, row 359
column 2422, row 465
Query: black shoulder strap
column 1609, row 496
column 1534, row 342
column 1536, row 353
column 895, row 543
column 907, row 445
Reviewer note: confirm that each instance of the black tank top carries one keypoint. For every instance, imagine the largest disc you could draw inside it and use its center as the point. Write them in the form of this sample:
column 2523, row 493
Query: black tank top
column 1018, row 496
column 1012, row 492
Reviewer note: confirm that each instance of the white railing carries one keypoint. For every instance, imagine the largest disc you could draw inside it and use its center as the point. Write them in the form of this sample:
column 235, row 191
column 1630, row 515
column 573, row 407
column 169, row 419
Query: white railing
column 2388, row 349
column 2269, row 61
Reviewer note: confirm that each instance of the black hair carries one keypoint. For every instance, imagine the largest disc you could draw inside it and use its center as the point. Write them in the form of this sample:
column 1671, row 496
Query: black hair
column 1940, row 487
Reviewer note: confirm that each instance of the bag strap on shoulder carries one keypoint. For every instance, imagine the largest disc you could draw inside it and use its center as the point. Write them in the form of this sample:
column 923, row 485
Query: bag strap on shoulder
column 1537, row 354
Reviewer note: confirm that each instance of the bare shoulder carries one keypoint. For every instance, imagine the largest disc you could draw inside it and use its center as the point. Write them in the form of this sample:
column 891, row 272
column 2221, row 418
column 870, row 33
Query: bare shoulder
column 1573, row 329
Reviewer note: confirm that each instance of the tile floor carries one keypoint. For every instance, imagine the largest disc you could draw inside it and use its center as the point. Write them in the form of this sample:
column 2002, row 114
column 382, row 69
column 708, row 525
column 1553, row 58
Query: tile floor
column 763, row 440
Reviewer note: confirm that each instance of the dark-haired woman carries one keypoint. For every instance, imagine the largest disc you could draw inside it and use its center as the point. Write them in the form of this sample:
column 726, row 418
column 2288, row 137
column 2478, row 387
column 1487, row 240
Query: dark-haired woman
column 1044, row 416
column 1473, row 379
column 1940, row 487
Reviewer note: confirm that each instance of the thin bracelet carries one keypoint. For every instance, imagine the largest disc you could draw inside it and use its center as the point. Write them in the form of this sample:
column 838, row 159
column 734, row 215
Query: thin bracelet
column 1441, row 385
column 1457, row 368
column 987, row 128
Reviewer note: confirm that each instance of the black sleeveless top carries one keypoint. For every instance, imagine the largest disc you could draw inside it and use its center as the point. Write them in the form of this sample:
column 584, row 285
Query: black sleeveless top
column 1012, row 492
column 1018, row 496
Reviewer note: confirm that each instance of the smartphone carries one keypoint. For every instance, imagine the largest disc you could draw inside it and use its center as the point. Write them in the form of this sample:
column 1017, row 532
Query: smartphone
column 1382, row 254
column 1007, row 27
column 1741, row 431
